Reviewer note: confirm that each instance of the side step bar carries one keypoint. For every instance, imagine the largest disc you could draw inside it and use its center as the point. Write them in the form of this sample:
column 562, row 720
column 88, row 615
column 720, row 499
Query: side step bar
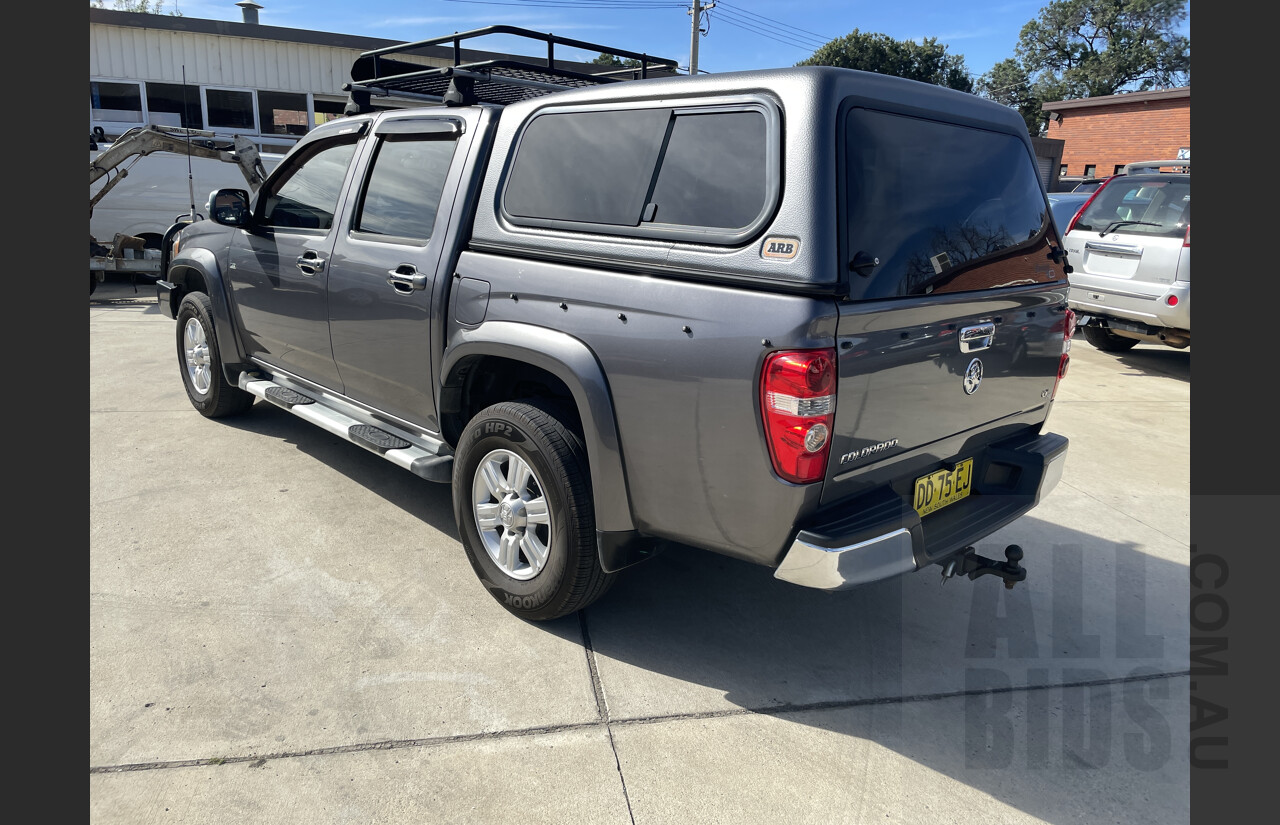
column 422, row 456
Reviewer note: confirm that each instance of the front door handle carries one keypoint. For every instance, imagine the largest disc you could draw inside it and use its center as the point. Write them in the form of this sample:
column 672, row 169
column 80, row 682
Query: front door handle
column 406, row 278
column 310, row 263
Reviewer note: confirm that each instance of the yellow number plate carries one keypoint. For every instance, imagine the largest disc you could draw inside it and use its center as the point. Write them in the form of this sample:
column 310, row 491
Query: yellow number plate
column 937, row 490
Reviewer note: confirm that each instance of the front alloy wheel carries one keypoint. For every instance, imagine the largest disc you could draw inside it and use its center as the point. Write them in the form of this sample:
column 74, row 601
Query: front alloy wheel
column 195, row 350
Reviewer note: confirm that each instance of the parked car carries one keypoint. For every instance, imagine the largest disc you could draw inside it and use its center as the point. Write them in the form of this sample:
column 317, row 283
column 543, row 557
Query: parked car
column 1089, row 185
column 1064, row 206
column 602, row 317
column 1130, row 252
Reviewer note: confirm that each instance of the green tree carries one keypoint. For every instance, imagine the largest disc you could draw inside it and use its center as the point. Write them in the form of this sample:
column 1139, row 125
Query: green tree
column 1009, row 83
column 604, row 59
column 926, row 61
column 142, row 6
column 1090, row 48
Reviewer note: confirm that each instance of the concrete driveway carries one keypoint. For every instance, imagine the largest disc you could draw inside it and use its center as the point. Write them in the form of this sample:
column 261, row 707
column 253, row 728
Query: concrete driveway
column 284, row 628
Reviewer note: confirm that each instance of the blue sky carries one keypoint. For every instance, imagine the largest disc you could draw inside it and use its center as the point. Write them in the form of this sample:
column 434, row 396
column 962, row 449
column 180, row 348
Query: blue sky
column 744, row 34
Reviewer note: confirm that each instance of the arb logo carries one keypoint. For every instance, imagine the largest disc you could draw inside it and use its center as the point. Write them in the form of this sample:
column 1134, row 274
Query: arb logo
column 784, row 248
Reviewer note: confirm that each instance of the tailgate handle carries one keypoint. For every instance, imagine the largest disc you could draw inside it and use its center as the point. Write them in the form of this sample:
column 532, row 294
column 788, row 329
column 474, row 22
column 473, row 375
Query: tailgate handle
column 1114, row 249
column 977, row 337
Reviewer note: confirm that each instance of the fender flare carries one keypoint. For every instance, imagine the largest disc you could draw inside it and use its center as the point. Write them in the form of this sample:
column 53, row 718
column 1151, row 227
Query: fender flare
column 573, row 362
column 230, row 348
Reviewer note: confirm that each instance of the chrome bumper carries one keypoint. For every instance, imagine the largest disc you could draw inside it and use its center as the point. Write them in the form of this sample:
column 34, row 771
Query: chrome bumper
column 840, row 568
column 891, row 552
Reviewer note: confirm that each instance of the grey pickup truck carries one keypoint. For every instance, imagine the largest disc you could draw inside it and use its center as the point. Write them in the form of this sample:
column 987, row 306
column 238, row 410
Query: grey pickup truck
column 811, row 318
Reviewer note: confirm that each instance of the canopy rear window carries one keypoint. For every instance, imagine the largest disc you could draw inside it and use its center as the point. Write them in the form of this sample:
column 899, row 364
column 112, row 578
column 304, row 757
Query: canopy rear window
column 945, row 208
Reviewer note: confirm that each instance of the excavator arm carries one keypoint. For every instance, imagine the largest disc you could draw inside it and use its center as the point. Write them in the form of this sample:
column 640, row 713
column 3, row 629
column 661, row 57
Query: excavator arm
column 145, row 140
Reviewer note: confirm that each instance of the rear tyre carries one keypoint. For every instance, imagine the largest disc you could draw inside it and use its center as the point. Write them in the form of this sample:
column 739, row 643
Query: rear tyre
column 1106, row 340
column 93, row 281
column 524, row 509
column 207, row 387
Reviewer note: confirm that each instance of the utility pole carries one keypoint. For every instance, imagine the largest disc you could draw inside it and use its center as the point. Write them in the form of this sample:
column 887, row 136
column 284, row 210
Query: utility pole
column 696, row 11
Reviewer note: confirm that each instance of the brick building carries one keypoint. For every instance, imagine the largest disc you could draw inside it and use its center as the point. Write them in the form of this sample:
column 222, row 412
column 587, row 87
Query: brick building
column 1102, row 134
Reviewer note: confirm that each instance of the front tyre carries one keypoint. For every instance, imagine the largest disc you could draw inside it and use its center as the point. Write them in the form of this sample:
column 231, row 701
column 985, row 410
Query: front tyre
column 523, row 505
column 207, row 387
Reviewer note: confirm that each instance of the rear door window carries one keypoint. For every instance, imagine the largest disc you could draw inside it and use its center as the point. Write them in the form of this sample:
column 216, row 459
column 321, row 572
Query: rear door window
column 1140, row 205
column 403, row 193
column 945, row 208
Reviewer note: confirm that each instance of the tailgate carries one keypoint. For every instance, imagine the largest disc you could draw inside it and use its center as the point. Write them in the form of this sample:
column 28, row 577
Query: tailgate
column 917, row 375
column 953, row 332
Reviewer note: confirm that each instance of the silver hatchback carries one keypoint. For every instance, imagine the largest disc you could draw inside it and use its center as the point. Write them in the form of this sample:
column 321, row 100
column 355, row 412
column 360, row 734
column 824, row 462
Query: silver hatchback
column 1130, row 252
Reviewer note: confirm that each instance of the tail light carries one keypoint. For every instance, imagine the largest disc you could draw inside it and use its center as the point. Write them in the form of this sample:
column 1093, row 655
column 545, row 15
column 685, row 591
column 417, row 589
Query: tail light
column 798, row 405
column 1068, row 330
column 1186, row 239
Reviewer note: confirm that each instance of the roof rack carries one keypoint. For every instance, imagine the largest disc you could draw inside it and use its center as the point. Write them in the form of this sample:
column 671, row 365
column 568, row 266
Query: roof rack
column 502, row 80
column 1153, row 165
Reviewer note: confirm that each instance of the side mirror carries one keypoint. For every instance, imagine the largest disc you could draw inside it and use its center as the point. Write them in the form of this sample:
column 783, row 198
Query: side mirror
column 229, row 207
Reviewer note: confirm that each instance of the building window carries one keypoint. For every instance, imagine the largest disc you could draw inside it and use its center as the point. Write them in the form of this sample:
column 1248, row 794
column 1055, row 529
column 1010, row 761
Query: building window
column 1117, row 169
column 172, row 104
column 229, row 109
column 327, row 110
column 115, row 102
column 1062, row 170
column 281, row 113
column 1090, row 170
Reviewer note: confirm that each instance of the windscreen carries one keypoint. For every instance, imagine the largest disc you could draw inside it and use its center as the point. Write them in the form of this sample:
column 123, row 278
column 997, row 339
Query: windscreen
column 944, row 208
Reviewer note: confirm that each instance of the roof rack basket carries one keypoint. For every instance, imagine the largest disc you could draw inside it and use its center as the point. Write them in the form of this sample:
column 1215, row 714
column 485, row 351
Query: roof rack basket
column 499, row 81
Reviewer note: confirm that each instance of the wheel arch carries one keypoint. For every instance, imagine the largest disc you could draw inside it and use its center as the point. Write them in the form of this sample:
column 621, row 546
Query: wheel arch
column 197, row 270
column 573, row 366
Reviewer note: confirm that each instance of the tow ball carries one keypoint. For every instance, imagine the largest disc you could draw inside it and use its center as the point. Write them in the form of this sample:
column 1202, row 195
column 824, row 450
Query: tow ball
column 971, row 564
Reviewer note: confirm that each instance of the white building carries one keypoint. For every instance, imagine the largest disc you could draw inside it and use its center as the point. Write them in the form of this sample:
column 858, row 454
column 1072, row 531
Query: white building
column 239, row 78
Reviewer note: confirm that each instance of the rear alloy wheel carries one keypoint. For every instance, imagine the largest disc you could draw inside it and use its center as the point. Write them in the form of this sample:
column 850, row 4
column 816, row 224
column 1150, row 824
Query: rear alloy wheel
column 1106, row 340
column 525, row 513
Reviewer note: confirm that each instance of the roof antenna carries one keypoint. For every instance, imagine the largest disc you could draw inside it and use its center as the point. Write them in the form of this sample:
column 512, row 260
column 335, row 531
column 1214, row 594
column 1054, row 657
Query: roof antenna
column 191, row 183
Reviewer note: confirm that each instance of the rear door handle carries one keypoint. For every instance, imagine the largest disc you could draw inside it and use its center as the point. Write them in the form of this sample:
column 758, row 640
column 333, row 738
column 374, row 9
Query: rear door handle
column 310, row 263
column 406, row 278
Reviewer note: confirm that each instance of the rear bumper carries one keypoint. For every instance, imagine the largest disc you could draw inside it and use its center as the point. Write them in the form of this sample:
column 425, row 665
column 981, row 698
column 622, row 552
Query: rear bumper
column 1115, row 302
column 879, row 536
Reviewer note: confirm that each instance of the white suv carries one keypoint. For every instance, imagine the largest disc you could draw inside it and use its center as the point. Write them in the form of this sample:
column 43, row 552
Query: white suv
column 1130, row 252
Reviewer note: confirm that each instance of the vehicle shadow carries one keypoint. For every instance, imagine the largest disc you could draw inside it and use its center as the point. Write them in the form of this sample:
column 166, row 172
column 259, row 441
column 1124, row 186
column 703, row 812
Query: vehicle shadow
column 927, row 671
column 1158, row 360
column 427, row 501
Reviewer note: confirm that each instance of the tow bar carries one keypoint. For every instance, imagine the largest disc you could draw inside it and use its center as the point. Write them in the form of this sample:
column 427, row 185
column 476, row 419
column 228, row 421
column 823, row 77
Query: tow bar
column 971, row 564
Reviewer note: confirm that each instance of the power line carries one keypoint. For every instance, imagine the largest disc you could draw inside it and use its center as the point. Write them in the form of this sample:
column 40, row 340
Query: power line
column 770, row 36
column 584, row 4
column 774, row 22
column 588, row 4
column 770, row 31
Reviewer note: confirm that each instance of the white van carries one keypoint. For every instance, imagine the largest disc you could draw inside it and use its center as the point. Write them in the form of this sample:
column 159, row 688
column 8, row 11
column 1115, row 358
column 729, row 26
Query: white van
column 156, row 191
